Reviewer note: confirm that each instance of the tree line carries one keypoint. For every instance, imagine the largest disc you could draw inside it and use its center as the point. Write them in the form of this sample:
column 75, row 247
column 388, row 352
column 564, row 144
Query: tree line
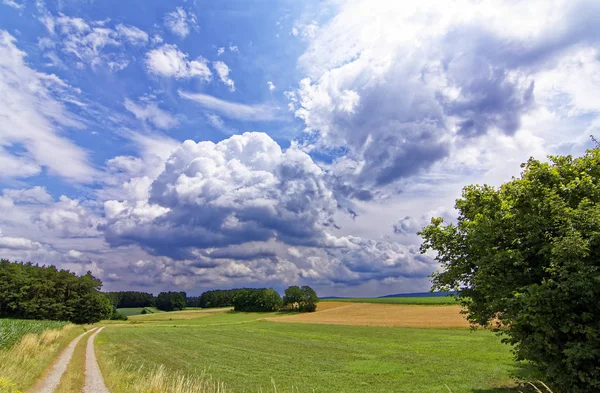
column 302, row 299
column 131, row 299
column 29, row 291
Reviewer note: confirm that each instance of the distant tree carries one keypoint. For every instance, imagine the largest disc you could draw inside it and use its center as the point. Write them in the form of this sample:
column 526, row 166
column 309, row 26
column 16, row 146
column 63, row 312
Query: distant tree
column 293, row 297
column 303, row 299
column 524, row 259
column 256, row 300
column 144, row 311
column 309, row 299
column 170, row 301
column 218, row 298
column 131, row 299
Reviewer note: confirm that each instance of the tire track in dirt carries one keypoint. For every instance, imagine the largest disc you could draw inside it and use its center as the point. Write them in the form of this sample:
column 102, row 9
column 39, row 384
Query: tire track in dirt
column 50, row 382
column 94, row 383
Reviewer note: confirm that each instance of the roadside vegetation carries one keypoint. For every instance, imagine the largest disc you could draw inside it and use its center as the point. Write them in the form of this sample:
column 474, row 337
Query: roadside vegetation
column 23, row 362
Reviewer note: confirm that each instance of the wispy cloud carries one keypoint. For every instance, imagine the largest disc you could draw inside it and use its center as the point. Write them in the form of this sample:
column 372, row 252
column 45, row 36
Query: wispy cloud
column 151, row 113
column 223, row 71
column 234, row 110
column 170, row 61
column 180, row 21
column 34, row 116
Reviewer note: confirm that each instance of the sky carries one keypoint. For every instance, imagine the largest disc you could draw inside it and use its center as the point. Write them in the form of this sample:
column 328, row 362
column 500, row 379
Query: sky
column 193, row 145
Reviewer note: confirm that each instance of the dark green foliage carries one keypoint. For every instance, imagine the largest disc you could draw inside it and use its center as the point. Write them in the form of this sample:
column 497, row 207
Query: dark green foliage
column 117, row 316
column 144, row 312
column 303, row 299
column 192, row 301
column 528, row 255
column 217, row 298
column 255, row 300
column 30, row 291
column 170, row 301
column 131, row 299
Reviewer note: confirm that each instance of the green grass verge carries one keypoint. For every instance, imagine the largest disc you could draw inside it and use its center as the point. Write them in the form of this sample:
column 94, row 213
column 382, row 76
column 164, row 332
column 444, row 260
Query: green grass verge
column 426, row 300
column 248, row 354
column 12, row 330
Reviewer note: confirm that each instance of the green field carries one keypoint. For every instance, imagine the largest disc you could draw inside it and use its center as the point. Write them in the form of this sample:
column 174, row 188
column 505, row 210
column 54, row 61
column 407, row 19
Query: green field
column 247, row 354
column 12, row 330
column 138, row 310
column 424, row 300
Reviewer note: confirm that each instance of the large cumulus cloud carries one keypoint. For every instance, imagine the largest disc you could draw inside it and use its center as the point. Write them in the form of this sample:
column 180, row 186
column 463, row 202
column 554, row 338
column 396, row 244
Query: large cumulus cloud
column 239, row 190
column 246, row 211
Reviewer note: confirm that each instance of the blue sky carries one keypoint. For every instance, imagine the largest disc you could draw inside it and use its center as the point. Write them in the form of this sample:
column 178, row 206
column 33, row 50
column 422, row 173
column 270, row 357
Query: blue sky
column 196, row 145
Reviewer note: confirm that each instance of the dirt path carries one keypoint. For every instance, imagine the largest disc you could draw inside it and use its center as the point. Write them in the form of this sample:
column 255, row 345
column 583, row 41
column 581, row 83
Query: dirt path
column 50, row 382
column 94, row 383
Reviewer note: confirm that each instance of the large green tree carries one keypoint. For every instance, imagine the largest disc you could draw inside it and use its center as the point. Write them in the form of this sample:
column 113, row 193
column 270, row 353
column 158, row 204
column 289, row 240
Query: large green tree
column 524, row 260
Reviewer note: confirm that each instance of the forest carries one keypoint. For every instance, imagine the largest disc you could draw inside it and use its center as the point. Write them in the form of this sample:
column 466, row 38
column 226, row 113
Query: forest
column 29, row 291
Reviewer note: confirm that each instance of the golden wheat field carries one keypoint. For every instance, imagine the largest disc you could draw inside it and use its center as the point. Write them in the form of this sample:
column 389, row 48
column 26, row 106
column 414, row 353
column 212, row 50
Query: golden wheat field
column 372, row 314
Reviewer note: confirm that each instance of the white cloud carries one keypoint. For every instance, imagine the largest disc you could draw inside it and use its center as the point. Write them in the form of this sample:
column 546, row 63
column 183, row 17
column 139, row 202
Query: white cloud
column 18, row 243
column 220, row 51
column 233, row 110
column 305, row 30
column 169, row 61
column 180, row 21
column 271, row 86
column 67, row 218
column 34, row 117
column 223, row 71
column 240, row 189
column 36, row 195
column 132, row 34
column 151, row 113
column 14, row 4
column 234, row 49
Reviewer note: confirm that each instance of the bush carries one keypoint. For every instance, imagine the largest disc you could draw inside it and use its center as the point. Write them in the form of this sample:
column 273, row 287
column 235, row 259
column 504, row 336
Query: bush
column 527, row 255
column 117, row 316
column 144, row 312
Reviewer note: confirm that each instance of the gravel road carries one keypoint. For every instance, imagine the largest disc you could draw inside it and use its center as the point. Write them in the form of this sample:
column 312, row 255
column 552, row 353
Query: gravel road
column 94, row 383
column 51, row 381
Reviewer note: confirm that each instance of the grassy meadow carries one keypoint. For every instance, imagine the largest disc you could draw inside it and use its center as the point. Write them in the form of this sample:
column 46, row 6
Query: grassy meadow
column 249, row 354
column 416, row 300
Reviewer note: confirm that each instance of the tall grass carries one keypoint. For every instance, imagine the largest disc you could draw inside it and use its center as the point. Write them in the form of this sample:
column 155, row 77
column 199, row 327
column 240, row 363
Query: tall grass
column 12, row 330
column 25, row 361
column 125, row 378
